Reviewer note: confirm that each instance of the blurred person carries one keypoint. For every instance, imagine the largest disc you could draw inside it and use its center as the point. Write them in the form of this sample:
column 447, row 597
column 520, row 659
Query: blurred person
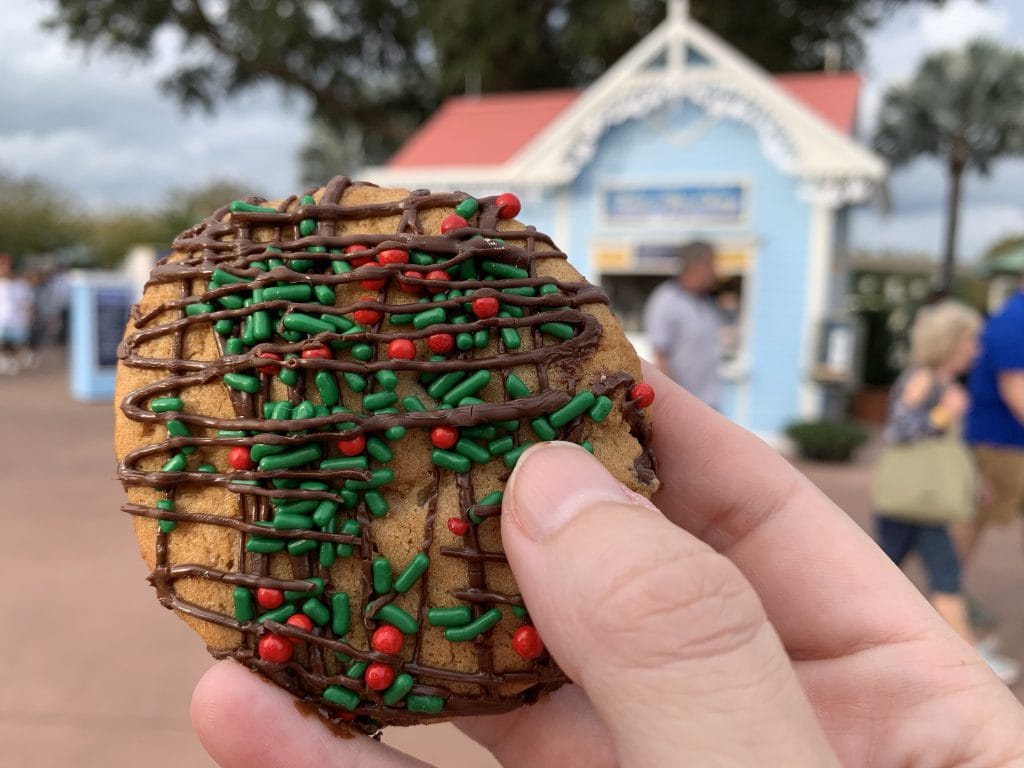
column 745, row 620
column 16, row 307
column 682, row 324
column 927, row 402
column 995, row 422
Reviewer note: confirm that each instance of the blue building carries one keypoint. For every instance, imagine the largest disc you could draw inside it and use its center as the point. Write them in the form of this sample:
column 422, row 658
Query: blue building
column 683, row 138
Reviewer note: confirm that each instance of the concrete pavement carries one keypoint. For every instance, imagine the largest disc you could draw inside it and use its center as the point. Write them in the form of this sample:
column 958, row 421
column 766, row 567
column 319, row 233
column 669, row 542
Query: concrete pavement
column 96, row 673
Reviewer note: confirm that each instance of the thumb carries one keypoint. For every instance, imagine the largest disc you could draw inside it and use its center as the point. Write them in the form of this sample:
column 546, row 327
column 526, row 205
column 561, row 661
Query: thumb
column 666, row 636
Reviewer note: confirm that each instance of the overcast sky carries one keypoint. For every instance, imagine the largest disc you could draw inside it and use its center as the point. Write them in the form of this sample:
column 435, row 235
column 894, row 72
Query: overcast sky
column 98, row 126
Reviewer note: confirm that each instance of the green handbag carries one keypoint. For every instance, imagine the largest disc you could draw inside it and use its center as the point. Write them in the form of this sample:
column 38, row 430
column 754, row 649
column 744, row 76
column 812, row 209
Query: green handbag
column 932, row 480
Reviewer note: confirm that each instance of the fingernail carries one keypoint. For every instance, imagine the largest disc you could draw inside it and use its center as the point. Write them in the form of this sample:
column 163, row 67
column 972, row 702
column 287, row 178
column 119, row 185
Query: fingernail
column 553, row 482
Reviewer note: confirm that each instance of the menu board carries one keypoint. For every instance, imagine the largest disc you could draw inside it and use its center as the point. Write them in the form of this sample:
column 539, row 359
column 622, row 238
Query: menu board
column 112, row 307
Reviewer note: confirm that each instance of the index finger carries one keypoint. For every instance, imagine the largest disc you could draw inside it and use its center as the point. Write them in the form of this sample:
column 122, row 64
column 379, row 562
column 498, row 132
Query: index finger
column 828, row 589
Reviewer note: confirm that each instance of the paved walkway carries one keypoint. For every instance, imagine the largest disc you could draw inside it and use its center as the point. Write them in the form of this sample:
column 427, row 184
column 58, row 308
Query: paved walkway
column 96, row 673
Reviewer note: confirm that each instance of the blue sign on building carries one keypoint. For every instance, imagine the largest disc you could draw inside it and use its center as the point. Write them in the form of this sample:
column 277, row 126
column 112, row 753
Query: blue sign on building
column 683, row 204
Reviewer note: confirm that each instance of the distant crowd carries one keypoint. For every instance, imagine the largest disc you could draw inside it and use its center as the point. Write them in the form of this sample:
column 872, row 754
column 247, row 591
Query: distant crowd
column 33, row 314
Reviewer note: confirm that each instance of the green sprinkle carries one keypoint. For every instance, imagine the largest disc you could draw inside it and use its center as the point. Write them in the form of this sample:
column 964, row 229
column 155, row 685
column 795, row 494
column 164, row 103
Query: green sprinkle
column 177, row 429
column 318, row 589
column 295, row 506
column 240, row 206
column 262, row 545
column 164, row 404
column 327, row 554
column 317, row 611
column 356, row 669
column 231, row 301
column 379, row 450
column 481, row 338
column 501, row 446
column 601, row 408
column 413, row 403
column 307, row 200
column 324, row 512
column 511, row 310
column 194, row 309
column 302, row 265
column 472, row 451
column 387, row 379
column 345, row 462
column 381, row 575
column 288, row 522
column 280, row 615
column 516, row 387
column 469, row 387
column 340, row 267
column 176, row 463
column 475, row 628
column 291, row 459
column 442, row 384
column 580, row 403
column 512, row 456
column 494, row 497
column 349, row 499
column 510, row 337
column 429, row 317
column 234, row 346
column 548, row 289
column 307, row 227
column 304, row 410
column 341, row 323
column 262, row 328
column 526, row 290
column 519, row 612
column 376, row 503
column 327, row 386
column 291, row 292
column 485, row 432
column 288, row 376
column 291, row 336
column 341, row 614
column 350, row 528
column 343, row 697
column 420, row 258
column 363, row 352
column 297, row 321
column 220, row 277
column 412, row 572
column 558, row 330
column 282, row 411
column 587, row 445
column 503, row 270
column 398, row 618
column 394, row 694
column 378, row 477
column 464, row 341
column 396, row 432
column 166, row 526
column 299, row 547
column 224, row 327
column 166, row 505
column 427, row 704
column 354, row 381
column 402, row 318
column 467, row 208
column 448, row 460
column 259, row 266
column 543, row 429
column 458, row 616
column 242, row 383
column 379, row 400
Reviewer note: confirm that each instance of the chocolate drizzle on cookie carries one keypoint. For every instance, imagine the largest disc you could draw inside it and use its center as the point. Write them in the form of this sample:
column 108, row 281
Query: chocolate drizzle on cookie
column 310, row 471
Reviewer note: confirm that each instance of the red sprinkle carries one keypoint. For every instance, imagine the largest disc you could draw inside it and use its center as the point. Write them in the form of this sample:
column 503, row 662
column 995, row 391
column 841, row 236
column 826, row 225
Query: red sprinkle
column 393, row 256
column 508, row 206
column 275, row 648
column 452, row 221
column 485, row 306
column 401, row 349
column 642, row 395
column 320, row 352
column 436, row 274
column 367, row 316
column 239, row 458
column 440, row 343
column 269, row 370
column 527, row 643
column 444, row 437
column 458, row 526
column 379, row 676
column 269, row 598
column 387, row 639
column 300, row 621
column 372, row 283
column 414, row 289
column 353, row 446
column 362, row 259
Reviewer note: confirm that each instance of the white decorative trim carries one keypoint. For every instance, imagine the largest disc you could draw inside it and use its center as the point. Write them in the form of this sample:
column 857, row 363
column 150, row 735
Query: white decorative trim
column 816, row 294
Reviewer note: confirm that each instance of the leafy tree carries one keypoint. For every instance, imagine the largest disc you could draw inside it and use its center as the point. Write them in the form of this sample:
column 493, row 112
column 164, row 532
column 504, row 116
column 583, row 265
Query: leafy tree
column 966, row 108
column 34, row 217
column 374, row 69
column 1002, row 246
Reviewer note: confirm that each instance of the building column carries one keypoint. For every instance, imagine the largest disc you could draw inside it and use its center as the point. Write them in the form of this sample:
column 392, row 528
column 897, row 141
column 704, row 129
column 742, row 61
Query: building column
column 816, row 301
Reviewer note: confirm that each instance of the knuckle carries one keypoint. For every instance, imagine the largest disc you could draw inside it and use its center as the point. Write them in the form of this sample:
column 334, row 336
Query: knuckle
column 676, row 606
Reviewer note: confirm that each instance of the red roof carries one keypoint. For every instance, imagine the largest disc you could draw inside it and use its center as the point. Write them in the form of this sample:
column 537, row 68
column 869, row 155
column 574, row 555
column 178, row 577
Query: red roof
column 491, row 129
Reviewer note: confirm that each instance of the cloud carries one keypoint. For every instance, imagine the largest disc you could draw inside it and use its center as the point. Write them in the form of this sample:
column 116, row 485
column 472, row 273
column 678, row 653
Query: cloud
column 957, row 21
column 99, row 124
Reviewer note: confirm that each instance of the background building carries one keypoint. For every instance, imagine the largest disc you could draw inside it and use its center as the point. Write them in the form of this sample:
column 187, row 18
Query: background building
column 682, row 138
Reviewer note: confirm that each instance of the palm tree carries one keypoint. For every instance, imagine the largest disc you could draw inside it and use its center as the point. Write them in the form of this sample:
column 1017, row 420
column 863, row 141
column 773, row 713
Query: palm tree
column 966, row 107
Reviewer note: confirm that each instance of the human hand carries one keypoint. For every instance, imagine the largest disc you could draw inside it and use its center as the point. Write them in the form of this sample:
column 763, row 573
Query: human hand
column 954, row 401
column 787, row 638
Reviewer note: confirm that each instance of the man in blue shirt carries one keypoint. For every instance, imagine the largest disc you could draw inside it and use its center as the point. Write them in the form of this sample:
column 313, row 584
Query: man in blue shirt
column 995, row 422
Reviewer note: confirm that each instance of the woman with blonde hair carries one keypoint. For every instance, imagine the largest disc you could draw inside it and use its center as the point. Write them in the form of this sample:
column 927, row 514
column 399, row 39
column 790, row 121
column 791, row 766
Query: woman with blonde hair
column 927, row 402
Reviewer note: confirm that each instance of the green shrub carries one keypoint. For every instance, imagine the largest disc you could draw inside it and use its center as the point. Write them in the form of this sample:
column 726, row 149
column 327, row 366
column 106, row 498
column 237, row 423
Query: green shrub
column 827, row 440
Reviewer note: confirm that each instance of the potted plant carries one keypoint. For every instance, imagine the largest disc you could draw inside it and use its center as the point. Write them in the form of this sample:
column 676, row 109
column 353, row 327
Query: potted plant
column 827, row 440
